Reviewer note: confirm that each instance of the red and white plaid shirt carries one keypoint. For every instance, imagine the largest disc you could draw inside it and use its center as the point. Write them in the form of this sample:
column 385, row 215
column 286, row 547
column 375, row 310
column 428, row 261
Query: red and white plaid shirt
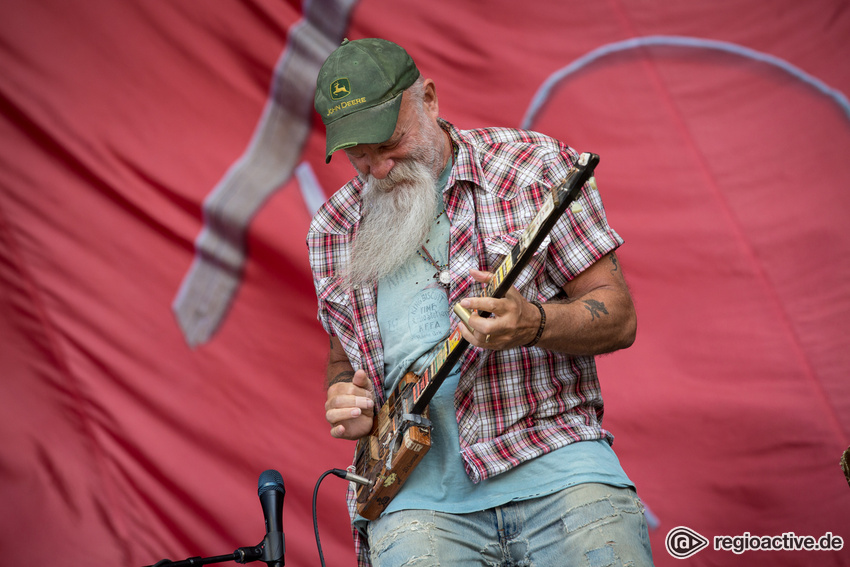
column 512, row 405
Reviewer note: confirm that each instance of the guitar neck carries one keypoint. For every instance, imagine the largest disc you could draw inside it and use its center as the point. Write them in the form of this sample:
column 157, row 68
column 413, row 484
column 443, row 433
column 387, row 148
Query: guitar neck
column 503, row 278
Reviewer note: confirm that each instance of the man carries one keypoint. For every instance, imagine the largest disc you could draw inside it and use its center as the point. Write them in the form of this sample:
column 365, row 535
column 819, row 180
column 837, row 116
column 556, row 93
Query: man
column 520, row 471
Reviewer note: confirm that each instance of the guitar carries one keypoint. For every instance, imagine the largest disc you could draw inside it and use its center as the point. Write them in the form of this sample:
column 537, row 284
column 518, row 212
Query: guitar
column 401, row 431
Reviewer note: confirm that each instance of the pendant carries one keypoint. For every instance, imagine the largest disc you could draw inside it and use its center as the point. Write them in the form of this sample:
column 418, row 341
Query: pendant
column 445, row 277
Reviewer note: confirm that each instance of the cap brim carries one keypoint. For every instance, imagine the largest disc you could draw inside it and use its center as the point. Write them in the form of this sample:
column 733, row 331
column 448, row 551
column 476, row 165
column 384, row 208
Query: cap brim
column 368, row 126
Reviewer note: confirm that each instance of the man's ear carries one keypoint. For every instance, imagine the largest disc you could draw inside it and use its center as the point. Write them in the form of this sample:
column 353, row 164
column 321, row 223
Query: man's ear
column 429, row 100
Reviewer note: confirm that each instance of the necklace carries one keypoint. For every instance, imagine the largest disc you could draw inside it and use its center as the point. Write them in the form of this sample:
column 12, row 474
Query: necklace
column 442, row 274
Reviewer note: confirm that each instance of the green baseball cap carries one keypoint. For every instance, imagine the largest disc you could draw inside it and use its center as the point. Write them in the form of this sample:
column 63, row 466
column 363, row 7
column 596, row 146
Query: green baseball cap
column 358, row 92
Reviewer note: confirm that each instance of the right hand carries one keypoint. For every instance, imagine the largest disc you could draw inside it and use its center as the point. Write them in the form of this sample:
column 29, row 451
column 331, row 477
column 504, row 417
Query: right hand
column 350, row 407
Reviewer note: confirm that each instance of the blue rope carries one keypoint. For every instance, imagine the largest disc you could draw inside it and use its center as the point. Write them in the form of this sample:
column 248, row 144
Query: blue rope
column 543, row 93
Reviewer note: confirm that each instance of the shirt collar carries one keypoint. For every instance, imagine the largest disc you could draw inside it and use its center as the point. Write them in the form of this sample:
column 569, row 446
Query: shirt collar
column 466, row 167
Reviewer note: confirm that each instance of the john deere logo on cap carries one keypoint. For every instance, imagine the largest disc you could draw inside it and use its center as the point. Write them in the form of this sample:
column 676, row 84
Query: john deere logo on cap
column 340, row 89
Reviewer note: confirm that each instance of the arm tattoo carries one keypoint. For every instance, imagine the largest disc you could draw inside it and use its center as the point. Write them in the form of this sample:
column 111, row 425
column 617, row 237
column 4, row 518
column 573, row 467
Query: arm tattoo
column 344, row 376
column 595, row 307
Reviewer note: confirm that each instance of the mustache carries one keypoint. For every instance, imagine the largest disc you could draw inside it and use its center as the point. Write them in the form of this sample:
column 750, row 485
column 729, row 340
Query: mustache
column 404, row 172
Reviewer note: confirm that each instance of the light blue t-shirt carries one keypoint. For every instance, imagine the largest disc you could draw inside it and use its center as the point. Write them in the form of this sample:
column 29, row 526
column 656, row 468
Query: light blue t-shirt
column 413, row 316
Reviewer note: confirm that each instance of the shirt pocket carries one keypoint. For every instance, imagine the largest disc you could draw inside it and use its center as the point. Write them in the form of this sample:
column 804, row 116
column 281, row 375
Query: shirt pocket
column 497, row 247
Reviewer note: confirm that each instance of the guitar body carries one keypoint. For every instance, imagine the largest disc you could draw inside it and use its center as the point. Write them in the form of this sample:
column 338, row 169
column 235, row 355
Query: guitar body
column 387, row 458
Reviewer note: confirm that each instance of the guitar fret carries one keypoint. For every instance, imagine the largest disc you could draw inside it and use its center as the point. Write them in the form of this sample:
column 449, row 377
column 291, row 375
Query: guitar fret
column 420, row 385
column 499, row 275
column 534, row 226
column 503, row 270
column 442, row 355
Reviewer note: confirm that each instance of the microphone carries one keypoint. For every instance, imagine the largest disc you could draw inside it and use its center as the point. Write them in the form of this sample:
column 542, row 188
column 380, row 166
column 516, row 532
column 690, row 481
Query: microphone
column 271, row 492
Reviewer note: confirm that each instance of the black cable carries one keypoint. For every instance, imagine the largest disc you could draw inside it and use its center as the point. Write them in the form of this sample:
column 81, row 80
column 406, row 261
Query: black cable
column 345, row 475
column 315, row 519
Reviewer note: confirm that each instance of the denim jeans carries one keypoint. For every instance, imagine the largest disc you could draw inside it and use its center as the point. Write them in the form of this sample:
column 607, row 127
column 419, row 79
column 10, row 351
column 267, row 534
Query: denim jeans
column 586, row 524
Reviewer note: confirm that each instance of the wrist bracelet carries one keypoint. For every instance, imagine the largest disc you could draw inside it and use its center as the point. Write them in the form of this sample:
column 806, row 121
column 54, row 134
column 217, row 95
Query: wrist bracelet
column 542, row 323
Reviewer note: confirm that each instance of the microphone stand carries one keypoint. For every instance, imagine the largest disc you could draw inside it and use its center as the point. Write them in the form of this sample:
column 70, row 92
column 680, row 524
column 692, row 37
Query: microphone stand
column 241, row 555
column 269, row 550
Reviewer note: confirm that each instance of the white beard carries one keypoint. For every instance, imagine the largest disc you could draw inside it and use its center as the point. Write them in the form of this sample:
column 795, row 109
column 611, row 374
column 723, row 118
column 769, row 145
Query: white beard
column 398, row 212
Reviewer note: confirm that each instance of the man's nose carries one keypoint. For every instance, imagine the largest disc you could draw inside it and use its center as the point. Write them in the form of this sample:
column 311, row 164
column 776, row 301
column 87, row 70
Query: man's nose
column 380, row 166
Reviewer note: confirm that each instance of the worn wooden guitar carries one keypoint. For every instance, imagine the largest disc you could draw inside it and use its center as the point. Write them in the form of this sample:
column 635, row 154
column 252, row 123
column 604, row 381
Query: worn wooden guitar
column 401, row 432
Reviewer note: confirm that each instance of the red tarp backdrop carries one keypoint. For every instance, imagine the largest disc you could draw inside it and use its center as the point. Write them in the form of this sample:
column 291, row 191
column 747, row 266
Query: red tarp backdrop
column 158, row 343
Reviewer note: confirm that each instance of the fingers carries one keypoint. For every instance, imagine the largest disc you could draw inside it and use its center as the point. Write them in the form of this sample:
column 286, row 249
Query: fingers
column 505, row 327
column 480, row 275
column 349, row 407
column 346, row 407
column 478, row 337
column 347, row 400
column 360, row 385
column 361, row 380
column 351, row 427
column 488, row 304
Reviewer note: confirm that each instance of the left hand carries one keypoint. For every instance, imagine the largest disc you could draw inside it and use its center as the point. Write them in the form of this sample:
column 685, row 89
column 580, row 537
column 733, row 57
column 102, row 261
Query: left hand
column 514, row 321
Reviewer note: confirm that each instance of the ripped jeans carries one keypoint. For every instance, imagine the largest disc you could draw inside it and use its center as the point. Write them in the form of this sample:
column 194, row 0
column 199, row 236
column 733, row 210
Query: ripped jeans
column 584, row 525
